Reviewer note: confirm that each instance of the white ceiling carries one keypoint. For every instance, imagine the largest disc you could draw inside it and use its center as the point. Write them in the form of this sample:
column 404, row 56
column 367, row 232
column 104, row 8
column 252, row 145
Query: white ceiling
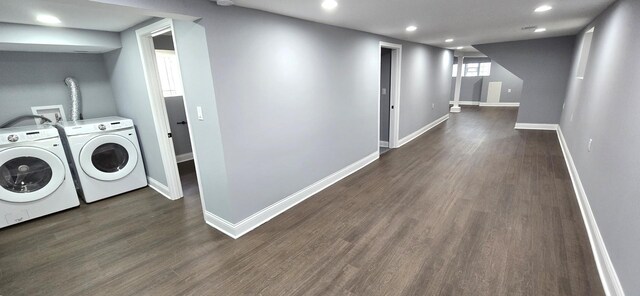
column 79, row 14
column 467, row 21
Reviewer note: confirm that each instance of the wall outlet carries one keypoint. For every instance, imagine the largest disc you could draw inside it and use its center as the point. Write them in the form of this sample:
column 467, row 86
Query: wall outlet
column 433, row 105
column 589, row 146
column 509, row 90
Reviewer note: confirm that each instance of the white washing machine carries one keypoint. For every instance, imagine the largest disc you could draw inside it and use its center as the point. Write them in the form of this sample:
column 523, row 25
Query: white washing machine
column 35, row 179
column 107, row 156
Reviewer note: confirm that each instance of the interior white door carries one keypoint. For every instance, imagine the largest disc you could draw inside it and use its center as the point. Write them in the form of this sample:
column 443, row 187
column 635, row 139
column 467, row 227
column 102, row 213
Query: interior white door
column 494, row 91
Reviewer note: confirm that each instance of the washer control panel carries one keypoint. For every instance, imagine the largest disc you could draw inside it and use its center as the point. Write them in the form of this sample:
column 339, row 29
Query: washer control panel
column 97, row 125
column 20, row 135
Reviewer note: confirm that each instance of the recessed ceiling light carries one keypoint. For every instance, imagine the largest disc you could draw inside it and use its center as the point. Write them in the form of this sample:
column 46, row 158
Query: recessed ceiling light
column 460, row 47
column 543, row 8
column 329, row 4
column 448, row 40
column 411, row 28
column 47, row 19
column 540, row 30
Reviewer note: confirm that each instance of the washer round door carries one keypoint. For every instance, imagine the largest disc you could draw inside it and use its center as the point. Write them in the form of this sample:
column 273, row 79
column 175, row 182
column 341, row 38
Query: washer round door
column 29, row 174
column 108, row 157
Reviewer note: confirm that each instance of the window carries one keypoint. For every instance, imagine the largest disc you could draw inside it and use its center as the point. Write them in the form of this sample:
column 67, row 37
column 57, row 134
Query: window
column 169, row 73
column 485, row 69
column 455, row 70
column 584, row 53
column 472, row 70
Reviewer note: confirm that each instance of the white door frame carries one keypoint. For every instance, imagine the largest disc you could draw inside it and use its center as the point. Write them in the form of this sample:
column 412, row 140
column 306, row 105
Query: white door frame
column 394, row 98
column 158, row 108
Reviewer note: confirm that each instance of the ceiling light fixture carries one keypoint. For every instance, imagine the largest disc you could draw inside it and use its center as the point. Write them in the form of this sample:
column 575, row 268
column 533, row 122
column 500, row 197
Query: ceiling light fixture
column 448, row 40
column 540, row 30
column 329, row 4
column 411, row 28
column 48, row 19
column 543, row 8
column 460, row 47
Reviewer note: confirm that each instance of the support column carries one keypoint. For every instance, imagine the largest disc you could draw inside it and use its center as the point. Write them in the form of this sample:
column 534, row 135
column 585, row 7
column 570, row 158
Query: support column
column 456, row 95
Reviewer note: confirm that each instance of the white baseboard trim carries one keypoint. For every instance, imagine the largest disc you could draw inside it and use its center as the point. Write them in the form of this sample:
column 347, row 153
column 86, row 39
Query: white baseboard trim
column 159, row 187
column 536, row 126
column 184, row 157
column 485, row 104
column 608, row 276
column 466, row 103
column 422, row 130
column 384, row 143
column 501, row 104
column 236, row 230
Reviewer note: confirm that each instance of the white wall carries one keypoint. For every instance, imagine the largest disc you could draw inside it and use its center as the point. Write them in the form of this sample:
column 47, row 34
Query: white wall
column 19, row 37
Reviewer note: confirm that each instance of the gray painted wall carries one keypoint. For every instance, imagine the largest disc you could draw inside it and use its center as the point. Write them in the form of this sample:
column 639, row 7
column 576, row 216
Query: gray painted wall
column 509, row 81
column 544, row 66
column 604, row 107
column 37, row 79
column 385, row 83
column 426, row 74
column 310, row 108
column 179, row 132
column 470, row 88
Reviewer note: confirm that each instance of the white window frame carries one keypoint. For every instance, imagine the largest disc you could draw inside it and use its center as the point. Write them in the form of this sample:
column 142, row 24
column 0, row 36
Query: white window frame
column 486, row 66
column 471, row 66
column 455, row 70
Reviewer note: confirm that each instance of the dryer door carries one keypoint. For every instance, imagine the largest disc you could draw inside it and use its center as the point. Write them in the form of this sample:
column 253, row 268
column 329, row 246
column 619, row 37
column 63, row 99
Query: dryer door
column 29, row 174
column 108, row 157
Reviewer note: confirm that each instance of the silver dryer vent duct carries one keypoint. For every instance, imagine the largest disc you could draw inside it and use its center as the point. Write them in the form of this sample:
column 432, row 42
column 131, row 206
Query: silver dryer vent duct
column 74, row 88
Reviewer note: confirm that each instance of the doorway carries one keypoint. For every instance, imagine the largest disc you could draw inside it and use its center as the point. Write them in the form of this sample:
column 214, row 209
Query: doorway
column 389, row 96
column 385, row 98
column 161, row 65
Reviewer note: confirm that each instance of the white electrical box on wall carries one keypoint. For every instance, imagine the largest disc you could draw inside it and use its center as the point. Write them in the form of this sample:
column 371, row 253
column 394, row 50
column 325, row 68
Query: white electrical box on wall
column 55, row 113
column 199, row 110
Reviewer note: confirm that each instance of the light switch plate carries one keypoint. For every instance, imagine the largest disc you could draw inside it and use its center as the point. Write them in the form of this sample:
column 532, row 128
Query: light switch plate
column 200, row 116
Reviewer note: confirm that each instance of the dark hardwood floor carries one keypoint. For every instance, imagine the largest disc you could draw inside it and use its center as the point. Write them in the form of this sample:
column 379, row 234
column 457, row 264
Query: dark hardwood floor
column 473, row 207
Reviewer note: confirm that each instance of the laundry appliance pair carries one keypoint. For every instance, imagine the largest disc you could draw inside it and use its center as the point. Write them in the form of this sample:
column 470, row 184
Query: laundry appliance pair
column 37, row 172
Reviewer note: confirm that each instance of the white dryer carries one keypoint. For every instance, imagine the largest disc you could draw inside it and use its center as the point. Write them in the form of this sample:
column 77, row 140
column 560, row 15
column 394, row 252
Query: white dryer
column 35, row 179
column 107, row 156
